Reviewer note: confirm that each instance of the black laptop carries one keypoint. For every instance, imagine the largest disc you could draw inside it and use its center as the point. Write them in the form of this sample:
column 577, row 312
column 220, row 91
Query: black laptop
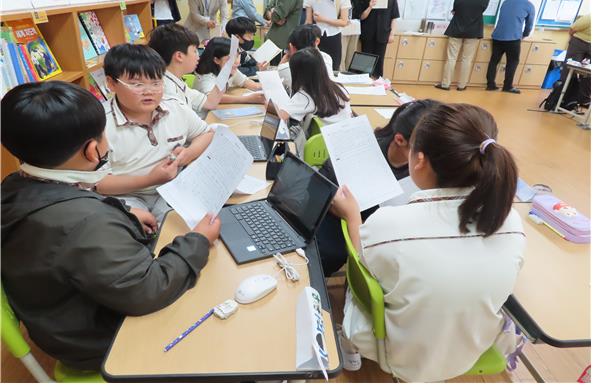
column 260, row 146
column 363, row 63
column 285, row 221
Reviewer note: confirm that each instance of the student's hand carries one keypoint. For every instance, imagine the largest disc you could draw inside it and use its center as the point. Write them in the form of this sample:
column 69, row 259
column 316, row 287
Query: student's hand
column 256, row 98
column 211, row 24
column 268, row 24
column 281, row 22
column 164, row 171
column 345, row 205
column 209, row 227
column 148, row 221
column 372, row 3
column 263, row 66
column 285, row 58
column 183, row 156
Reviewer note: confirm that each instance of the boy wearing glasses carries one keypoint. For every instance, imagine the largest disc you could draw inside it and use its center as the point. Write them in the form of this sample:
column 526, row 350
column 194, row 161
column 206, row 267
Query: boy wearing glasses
column 147, row 134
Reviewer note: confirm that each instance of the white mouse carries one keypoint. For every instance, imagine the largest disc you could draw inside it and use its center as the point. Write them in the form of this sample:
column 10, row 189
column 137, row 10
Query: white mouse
column 254, row 288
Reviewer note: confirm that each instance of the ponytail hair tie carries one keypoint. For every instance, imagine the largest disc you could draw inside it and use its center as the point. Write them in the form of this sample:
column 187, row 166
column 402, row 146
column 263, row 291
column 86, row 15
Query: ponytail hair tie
column 485, row 144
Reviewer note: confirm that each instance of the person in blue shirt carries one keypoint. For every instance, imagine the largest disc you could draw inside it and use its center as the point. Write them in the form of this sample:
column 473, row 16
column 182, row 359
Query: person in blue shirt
column 246, row 8
column 515, row 21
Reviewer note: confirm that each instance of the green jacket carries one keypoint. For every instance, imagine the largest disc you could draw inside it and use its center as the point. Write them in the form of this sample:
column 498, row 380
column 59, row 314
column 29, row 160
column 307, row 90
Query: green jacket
column 289, row 10
column 75, row 263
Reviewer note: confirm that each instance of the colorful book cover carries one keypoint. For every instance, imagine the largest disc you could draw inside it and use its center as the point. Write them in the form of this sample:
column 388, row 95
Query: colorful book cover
column 91, row 23
column 87, row 46
column 36, row 50
column 94, row 89
column 9, row 78
column 101, row 81
column 28, row 64
column 133, row 27
column 11, row 58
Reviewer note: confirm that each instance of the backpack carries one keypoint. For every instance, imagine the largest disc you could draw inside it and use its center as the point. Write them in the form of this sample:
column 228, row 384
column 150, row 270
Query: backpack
column 575, row 94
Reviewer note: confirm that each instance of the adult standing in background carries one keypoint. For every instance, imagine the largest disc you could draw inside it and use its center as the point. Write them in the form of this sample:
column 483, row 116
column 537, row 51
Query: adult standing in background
column 330, row 16
column 465, row 30
column 579, row 46
column 377, row 28
column 165, row 11
column 515, row 21
column 285, row 15
column 203, row 15
column 246, row 8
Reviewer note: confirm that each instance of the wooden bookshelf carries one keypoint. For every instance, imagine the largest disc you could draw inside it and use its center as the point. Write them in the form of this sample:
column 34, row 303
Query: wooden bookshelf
column 62, row 35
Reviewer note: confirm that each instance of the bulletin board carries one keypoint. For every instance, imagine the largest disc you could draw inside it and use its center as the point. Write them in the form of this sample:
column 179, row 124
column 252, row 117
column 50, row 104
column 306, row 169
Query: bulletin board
column 558, row 13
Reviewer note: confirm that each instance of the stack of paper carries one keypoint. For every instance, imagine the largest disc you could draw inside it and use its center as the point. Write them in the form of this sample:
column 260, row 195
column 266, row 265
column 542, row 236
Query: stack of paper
column 376, row 91
column 387, row 113
column 354, row 79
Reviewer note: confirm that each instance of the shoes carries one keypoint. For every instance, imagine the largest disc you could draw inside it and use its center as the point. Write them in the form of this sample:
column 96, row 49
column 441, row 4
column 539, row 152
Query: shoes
column 441, row 87
column 491, row 88
column 512, row 90
column 461, row 88
column 352, row 360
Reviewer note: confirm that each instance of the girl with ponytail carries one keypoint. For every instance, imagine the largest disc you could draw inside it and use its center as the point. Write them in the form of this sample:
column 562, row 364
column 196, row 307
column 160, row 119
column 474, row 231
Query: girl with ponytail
column 448, row 260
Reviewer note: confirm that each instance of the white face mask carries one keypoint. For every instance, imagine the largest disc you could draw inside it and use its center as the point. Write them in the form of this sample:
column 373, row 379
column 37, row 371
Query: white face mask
column 67, row 176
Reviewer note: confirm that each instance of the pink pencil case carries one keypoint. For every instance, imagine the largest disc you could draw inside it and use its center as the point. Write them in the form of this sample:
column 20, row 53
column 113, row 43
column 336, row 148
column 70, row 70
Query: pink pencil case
column 574, row 226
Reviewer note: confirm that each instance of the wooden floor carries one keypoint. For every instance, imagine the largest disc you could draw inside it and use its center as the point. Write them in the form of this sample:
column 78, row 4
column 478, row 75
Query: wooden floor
column 535, row 139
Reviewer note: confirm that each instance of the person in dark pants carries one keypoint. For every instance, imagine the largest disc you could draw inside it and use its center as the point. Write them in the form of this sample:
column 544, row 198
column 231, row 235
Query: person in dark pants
column 165, row 12
column 393, row 141
column 377, row 28
column 515, row 21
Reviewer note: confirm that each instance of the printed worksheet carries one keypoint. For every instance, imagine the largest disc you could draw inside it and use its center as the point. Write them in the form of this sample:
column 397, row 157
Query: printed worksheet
column 225, row 73
column 273, row 89
column 266, row 52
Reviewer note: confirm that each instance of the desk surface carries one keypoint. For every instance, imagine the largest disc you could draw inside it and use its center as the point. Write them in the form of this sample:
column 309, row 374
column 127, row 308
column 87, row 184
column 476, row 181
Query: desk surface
column 257, row 342
column 375, row 118
column 389, row 100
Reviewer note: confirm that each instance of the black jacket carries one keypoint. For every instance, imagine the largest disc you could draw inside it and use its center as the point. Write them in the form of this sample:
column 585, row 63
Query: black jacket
column 75, row 263
column 174, row 10
column 467, row 21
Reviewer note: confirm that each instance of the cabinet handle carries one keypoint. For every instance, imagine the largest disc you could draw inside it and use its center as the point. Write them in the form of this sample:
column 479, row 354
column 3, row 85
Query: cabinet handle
column 484, row 46
column 478, row 68
column 400, row 64
column 528, row 69
column 535, row 48
column 405, row 42
column 432, row 43
column 427, row 65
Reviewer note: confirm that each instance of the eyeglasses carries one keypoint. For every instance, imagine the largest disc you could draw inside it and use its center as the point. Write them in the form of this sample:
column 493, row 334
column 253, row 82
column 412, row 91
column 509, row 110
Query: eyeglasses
column 140, row 88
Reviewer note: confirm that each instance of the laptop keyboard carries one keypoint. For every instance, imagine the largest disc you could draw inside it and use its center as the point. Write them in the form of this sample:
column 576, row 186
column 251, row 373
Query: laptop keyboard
column 265, row 233
column 252, row 144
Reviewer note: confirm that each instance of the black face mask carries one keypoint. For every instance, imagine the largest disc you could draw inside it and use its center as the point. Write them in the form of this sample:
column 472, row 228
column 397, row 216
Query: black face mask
column 247, row 45
column 102, row 160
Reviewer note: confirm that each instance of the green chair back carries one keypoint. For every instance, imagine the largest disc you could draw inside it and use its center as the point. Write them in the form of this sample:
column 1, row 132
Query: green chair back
column 315, row 152
column 65, row 374
column 189, row 79
column 315, row 126
column 364, row 287
column 11, row 331
column 490, row 362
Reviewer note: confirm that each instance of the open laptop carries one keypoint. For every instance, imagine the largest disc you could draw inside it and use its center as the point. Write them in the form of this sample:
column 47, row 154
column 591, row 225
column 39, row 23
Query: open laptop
column 285, row 221
column 260, row 146
column 363, row 63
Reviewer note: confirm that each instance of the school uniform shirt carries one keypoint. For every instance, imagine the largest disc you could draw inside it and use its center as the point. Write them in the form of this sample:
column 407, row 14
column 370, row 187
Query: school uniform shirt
column 330, row 9
column 444, row 290
column 285, row 75
column 137, row 148
column 75, row 263
column 301, row 107
column 205, row 83
column 176, row 88
column 467, row 21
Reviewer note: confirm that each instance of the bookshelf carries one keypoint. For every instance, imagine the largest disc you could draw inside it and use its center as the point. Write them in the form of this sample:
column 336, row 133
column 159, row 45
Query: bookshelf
column 62, row 35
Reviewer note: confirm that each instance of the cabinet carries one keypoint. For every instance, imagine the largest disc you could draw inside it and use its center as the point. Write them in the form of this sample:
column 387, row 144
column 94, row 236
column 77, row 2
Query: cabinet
column 485, row 51
column 540, row 53
column 532, row 75
column 431, row 70
column 411, row 47
column 391, row 50
column 436, row 48
column 406, row 69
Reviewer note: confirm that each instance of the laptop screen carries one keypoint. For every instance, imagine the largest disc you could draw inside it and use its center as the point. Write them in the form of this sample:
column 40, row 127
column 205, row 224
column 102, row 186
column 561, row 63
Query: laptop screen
column 270, row 124
column 301, row 195
column 363, row 63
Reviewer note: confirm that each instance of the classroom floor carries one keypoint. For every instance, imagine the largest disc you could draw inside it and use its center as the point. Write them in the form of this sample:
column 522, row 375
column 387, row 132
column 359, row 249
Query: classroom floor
column 549, row 149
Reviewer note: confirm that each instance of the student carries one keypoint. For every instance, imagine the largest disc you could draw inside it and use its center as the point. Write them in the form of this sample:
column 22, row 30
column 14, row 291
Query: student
column 394, row 142
column 246, row 8
column 75, row 263
column 147, row 134
column 178, row 46
column 313, row 93
column 447, row 260
column 203, row 15
column 214, row 57
column 330, row 16
column 244, row 29
column 303, row 36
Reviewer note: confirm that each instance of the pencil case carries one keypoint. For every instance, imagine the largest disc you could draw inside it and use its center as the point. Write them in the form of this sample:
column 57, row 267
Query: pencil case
column 573, row 225
column 275, row 160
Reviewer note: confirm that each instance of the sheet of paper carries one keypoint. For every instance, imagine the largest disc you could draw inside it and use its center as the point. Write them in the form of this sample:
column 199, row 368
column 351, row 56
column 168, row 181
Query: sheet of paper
column 273, row 89
column 492, row 8
column 568, row 10
column 353, row 28
column 387, row 113
column 409, row 187
column 377, row 91
column 250, row 185
column 266, row 52
column 381, row 4
column 405, row 98
column 223, row 76
column 359, row 162
column 354, row 79
column 206, row 183
column 550, row 9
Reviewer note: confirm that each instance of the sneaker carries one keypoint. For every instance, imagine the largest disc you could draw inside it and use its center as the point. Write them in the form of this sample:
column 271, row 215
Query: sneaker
column 491, row 88
column 512, row 90
column 352, row 360
column 441, row 87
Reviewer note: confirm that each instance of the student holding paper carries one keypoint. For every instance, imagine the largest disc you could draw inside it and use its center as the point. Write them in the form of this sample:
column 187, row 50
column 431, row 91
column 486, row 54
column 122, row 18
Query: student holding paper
column 244, row 29
column 449, row 259
column 214, row 57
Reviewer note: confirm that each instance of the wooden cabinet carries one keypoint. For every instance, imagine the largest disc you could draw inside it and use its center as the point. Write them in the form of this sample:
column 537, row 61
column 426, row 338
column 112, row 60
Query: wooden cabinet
column 435, row 48
column 478, row 74
column 500, row 74
column 406, row 70
column 540, row 53
column 391, row 51
column 532, row 75
column 431, row 71
column 411, row 47
column 388, row 65
column 484, row 51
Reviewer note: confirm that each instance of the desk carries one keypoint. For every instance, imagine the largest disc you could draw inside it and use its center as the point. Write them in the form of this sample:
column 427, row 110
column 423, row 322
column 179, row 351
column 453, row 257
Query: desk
column 584, row 121
column 376, row 120
column 389, row 100
column 256, row 343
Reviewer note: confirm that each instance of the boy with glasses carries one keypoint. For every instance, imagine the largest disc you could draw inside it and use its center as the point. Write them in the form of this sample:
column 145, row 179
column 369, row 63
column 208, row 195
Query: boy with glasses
column 148, row 134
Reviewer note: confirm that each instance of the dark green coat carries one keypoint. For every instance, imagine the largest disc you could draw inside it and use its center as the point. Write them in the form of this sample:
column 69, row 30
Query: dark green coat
column 283, row 9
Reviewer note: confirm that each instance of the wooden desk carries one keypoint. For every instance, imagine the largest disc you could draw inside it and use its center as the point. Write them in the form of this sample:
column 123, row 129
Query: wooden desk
column 377, row 121
column 552, row 296
column 389, row 100
column 256, row 343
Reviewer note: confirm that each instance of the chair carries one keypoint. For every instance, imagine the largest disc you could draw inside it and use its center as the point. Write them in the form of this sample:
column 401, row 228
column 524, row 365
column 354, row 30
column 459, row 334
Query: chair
column 368, row 293
column 315, row 126
column 315, row 152
column 189, row 79
column 15, row 342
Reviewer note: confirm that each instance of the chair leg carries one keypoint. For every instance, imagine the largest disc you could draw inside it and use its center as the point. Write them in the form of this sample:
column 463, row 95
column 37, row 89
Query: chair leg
column 35, row 369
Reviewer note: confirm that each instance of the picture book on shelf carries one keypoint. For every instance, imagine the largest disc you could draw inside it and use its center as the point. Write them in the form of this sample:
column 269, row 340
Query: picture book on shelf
column 101, row 82
column 87, row 45
column 95, row 90
column 34, row 50
column 91, row 23
column 133, row 27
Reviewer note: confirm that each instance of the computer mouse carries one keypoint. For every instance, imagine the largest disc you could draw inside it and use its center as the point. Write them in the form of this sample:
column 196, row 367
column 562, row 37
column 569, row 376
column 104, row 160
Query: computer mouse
column 254, row 288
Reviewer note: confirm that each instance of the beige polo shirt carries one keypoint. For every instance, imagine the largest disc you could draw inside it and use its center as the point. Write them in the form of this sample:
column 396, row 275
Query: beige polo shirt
column 137, row 148
column 176, row 88
column 205, row 83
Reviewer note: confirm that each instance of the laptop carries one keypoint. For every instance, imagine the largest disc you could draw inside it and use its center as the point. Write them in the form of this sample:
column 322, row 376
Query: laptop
column 363, row 63
column 285, row 221
column 261, row 146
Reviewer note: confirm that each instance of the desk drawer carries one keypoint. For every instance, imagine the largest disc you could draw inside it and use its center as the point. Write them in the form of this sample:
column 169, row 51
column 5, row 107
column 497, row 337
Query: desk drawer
column 406, row 69
column 411, row 47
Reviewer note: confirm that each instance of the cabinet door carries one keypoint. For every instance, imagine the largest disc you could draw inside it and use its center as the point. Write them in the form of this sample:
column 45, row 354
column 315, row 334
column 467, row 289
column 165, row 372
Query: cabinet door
column 406, row 69
column 533, row 75
column 478, row 75
column 388, row 65
column 540, row 53
column 525, row 49
column 431, row 70
column 484, row 51
column 500, row 70
column 411, row 47
column 436, row 48
column 392, row 48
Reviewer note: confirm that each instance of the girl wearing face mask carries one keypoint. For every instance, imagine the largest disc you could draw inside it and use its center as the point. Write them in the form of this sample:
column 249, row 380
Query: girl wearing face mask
column 244, row 29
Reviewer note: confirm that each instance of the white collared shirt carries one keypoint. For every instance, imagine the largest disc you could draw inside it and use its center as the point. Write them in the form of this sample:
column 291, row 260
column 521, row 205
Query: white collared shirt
column 205, row 83
column 132, row 152
column 176, row 88
column 444, row 290
column 286, row 76
column 301, row 107
column 330, row 10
